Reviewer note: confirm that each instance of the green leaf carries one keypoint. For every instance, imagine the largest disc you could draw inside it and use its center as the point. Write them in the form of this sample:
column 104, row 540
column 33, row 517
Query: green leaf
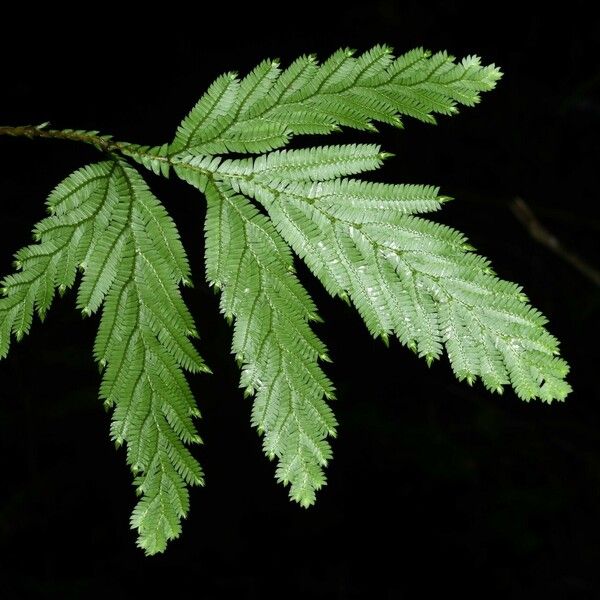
column 416, row 279
column 407, row 276
column 106, row 220
column 272, row 339
column 262, row 111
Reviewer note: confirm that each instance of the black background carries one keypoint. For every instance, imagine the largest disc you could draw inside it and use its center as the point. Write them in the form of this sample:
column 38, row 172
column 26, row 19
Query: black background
column 434, row 485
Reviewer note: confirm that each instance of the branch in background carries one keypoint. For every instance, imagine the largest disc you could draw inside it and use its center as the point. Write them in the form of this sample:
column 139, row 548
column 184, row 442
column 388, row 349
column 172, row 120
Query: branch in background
column 540, row 234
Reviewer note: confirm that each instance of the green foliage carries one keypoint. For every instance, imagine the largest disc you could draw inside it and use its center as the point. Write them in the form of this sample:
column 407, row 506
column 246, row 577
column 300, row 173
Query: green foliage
column 272, row 340
column 407, row 277
column 106, row 222
column 265, row 109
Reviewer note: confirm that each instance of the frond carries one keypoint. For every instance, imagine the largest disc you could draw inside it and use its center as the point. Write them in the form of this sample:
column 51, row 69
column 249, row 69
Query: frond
column 316, row 164
column 106, row 222
column 407, row 277
column 279, row 353
column 414, row 279
column 265, row 109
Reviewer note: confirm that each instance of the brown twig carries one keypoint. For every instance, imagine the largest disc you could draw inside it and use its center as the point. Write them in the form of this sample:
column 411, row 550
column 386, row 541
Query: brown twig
column 540, row 234
column 103, row 143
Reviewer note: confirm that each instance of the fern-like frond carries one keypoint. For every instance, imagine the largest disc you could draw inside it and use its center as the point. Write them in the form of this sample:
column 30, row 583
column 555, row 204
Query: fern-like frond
column 279, row 353
column 408, row 277
column 265, row 109
column 315, row 164
column 106, row 222
column 412, row 278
